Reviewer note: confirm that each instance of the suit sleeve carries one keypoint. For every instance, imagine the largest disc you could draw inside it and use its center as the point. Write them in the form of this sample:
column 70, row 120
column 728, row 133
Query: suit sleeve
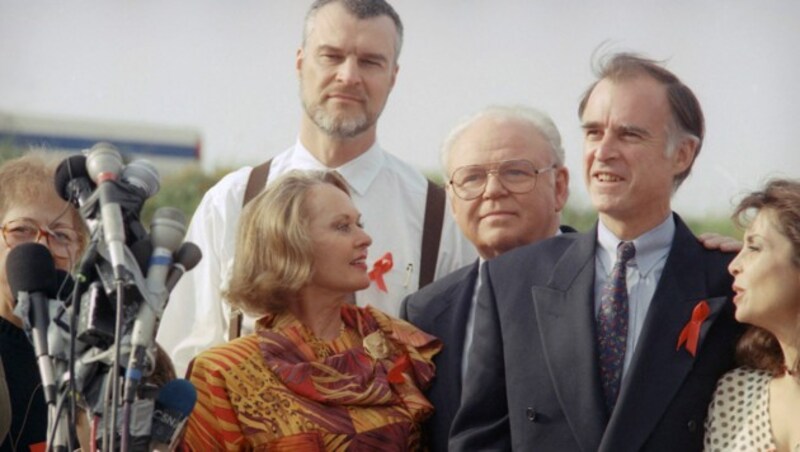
column 481, row 422
column 404, row 309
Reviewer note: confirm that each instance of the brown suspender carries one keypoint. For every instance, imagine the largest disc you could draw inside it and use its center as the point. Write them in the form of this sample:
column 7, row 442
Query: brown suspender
column 255, row 183
column 431, row 232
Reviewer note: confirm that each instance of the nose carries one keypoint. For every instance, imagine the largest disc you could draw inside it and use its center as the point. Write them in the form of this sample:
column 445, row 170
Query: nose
column 735, row 267
column 364, row 240
column 494, row 188
column 43, row 239
column 348, row 72
column 605, row 149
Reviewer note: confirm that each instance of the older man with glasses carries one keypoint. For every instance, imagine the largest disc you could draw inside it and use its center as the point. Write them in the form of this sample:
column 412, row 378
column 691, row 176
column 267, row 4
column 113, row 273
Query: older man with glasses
column 507, row 185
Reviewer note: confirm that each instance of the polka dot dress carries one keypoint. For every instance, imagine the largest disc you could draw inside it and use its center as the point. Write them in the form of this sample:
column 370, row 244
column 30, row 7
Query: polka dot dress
column 738, row 417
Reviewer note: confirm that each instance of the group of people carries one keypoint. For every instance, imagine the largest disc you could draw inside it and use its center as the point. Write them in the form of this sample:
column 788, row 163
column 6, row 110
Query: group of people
column 634, row 335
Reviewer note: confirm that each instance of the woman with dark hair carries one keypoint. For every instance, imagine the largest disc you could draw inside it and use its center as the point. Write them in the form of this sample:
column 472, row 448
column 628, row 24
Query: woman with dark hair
column 756, row 406
column 319, row 373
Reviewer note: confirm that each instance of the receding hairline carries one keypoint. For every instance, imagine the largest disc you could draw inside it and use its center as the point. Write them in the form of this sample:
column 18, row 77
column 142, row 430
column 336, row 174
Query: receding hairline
column 361, row 12
column 531, row 118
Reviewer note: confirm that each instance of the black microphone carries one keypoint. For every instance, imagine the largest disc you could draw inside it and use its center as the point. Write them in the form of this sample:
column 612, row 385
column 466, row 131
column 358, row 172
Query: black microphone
column 104, row 165
column 31, row 274
column 72, row 181
column 186, row 258
column 174, row 404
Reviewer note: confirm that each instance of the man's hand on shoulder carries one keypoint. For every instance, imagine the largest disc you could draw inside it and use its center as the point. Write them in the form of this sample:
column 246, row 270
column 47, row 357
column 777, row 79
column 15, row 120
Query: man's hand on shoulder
column 714, row 241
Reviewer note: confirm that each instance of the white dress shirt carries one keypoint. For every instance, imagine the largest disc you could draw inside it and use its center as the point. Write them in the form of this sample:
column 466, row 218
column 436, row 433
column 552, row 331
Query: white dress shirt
column 642, row 274
column 389, row 193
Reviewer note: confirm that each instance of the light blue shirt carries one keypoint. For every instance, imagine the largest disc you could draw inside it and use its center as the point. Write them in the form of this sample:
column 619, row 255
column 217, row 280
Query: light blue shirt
column 642, row 274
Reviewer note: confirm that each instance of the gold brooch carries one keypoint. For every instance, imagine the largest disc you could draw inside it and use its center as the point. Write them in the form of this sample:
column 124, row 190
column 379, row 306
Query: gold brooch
column 376, row 346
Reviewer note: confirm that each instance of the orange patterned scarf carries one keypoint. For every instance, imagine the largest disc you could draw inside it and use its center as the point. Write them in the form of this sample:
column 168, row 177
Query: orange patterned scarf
column 362, row 375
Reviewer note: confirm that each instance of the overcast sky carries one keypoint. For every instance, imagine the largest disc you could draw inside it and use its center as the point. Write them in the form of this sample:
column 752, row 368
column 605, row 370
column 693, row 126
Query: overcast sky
column 227, row 69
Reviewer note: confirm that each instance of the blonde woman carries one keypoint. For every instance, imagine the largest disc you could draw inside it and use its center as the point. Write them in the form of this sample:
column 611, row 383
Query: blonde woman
column 318, row 373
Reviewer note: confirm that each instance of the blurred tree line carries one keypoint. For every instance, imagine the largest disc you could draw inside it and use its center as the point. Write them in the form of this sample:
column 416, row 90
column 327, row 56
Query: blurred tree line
column 185, row 188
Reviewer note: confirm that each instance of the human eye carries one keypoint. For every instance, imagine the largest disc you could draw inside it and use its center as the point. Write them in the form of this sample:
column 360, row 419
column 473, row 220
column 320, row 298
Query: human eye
column 66, row 236
column 631, row 134
column 592, row 133
column 330, row 57
column 471, row 177
column 23, row 230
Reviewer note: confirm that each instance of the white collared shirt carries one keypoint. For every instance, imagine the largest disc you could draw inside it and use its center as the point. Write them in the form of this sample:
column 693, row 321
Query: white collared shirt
column 389, row 193
column 642, row 274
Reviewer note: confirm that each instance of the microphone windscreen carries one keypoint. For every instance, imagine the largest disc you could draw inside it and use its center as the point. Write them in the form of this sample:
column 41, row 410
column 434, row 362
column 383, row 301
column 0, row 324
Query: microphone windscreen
column 188, row 255
column 30, row 268
column 69, row 169
column 174, row 404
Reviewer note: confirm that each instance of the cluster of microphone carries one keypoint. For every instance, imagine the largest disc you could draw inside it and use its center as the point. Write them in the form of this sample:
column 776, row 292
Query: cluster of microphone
column 94, row 334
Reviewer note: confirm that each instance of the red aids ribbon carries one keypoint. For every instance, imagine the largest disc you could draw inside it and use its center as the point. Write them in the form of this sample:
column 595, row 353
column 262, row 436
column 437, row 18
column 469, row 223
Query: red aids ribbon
column 401, row 364
column 691, row 332
column 380, row 268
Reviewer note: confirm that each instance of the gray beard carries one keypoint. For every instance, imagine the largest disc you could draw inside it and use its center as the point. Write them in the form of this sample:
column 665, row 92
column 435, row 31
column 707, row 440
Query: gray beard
column 339, row 128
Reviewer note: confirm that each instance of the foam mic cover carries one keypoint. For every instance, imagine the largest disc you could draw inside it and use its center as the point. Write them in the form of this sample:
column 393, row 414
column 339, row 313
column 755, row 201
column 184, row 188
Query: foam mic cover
column 186, row 258
column 174, row 404
column 30, row 268
column 31, row 275
column 72, row 180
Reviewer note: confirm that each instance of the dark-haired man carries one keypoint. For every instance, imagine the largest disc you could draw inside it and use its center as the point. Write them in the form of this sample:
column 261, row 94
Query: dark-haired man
column 610, row 340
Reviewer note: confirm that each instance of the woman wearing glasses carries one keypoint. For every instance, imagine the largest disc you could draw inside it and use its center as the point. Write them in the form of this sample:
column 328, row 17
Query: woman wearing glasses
column 30, row 211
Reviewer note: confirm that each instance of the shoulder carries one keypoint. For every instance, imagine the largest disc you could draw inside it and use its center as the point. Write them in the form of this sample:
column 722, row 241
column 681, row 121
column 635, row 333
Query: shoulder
column 443, row 286
column 544, row 252
column 738, row 416
column 400, row 170
column 741, row 378
column 226, row 357
column 229, row 191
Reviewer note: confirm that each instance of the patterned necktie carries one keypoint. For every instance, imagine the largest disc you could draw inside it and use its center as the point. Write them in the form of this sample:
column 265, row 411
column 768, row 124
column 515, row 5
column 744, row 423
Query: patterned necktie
column 612, row 325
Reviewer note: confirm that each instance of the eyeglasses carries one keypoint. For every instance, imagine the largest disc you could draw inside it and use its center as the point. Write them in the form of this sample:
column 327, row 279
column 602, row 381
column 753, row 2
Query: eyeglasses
column 517, row 176
column 60, row 240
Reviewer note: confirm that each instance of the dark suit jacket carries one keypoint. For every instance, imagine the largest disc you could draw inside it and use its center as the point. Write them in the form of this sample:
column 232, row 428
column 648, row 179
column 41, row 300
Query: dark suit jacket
column 533, row 380
column 442, row 309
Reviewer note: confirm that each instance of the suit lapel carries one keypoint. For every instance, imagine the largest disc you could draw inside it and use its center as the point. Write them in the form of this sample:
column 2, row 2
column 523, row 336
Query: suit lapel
column 564, row 311
column 656, row 362
column 454, row 310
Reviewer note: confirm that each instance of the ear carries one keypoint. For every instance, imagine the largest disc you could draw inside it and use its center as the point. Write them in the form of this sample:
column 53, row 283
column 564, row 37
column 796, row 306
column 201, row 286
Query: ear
column 450, row 197
column 394, row 75
column 684, row 155
column 562, row 187
column 298, row 60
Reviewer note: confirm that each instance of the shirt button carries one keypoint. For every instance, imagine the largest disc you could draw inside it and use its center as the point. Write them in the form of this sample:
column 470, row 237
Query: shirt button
column 692, row 425
column 531, row 414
